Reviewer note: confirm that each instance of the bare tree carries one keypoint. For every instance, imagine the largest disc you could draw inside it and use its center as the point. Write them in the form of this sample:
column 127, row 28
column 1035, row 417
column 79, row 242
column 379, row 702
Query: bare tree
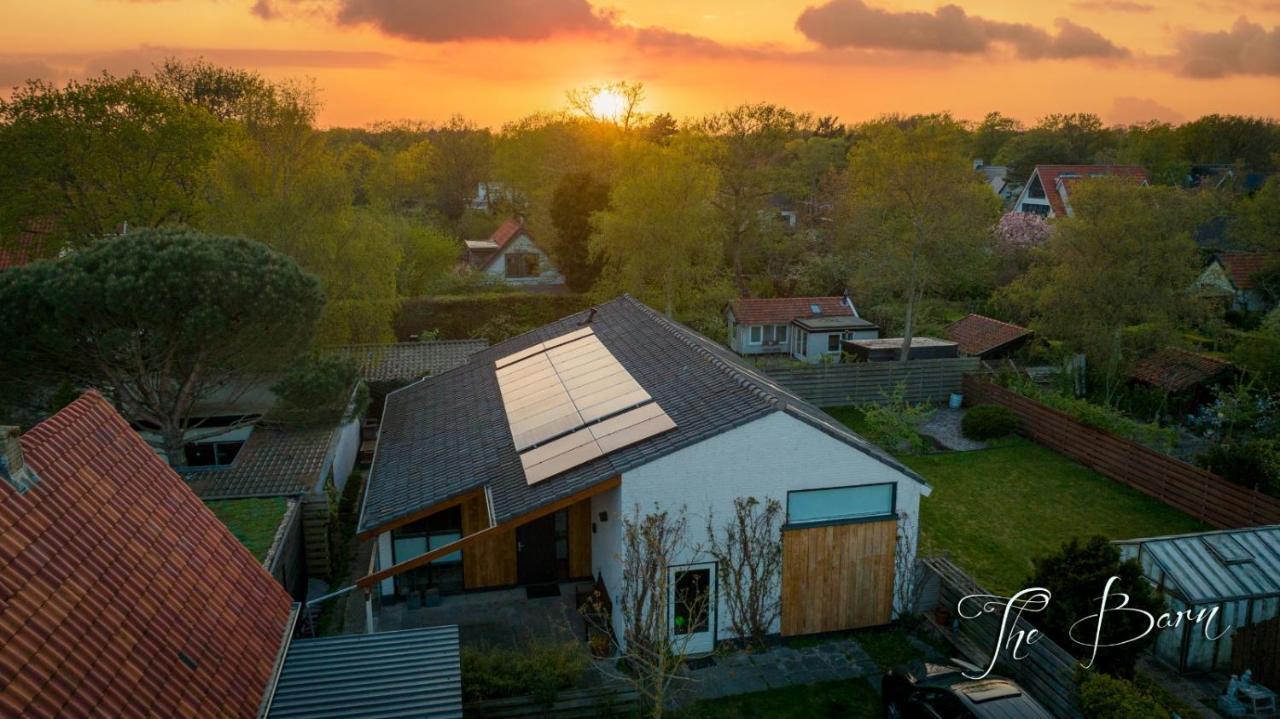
column 627, row 96
column 652, row 647
column 748, row 550
column 909, row 577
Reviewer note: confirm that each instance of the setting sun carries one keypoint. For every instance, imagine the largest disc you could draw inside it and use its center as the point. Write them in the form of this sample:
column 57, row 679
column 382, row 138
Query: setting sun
column 607, row 104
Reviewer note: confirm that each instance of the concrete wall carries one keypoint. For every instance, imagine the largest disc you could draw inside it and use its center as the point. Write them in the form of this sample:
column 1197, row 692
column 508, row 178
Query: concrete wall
column 285, row 560
column 765, row 458
column 346, row 448
column 549, row 275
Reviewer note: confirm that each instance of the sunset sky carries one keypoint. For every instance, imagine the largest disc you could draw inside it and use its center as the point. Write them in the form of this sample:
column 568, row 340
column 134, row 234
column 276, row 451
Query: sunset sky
column 496, row 60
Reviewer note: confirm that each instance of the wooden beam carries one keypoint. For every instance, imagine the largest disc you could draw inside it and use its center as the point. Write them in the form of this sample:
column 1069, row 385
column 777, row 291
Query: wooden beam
column 421, row 514
column 423, row 559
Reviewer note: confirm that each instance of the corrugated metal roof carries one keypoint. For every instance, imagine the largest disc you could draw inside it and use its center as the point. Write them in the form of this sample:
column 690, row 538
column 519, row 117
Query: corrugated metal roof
column 1218, row 566
column 409, row 673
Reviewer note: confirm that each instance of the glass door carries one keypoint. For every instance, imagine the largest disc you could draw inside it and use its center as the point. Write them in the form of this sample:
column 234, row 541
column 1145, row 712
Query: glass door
column 692, row 607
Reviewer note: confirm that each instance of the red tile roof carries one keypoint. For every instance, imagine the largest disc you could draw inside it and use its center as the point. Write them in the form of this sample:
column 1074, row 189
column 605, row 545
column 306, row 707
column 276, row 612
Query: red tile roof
column 781, row 310
column 1175, row 370
column 1242, row 266
column 1050, row 174
column 112, row 571
column 506, row 232
column 978, row 334
column 27, row 246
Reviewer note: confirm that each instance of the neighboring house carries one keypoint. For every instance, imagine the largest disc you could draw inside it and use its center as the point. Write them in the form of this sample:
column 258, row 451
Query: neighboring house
column 27, row 246
column 808, row 329
column 511, row 256
column 409, row 361
column 1231, row 277
column 1235, row 571
column 889, row 349
column 122, row 595
column 1188, row 377
column 986, row 337
column 1048, row 190
column 997, row 178
column 521, row 466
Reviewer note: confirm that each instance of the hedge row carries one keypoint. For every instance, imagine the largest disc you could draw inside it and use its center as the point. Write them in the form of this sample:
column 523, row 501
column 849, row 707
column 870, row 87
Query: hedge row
column 493, row 316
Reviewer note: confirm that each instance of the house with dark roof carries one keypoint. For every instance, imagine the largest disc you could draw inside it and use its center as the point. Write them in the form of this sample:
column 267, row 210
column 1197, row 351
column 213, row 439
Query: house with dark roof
column 1232, row 277
column 512, row 257
column 122, row 595
column 1048, row 190
column 808, row 329
column 986, row 337
column 520, row 468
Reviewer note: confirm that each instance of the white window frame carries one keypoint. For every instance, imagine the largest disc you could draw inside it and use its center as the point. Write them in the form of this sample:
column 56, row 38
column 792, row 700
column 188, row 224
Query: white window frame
column 755, row 335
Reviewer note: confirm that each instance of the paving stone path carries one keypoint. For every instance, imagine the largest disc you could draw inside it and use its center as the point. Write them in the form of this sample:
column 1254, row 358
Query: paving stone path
column 944, row 426
column 779, row 666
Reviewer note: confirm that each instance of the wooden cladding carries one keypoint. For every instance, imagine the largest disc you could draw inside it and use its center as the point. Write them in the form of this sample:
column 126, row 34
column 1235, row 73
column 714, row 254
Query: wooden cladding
column 1203, row 495
column 838, row 576
column 580, row 539
column 489, row 561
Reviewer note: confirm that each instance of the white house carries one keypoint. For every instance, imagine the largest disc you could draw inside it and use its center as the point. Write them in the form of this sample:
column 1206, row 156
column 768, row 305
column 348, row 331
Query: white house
column 520, row 467
column 808, row 329
column 511, row 256
column 1048, row 190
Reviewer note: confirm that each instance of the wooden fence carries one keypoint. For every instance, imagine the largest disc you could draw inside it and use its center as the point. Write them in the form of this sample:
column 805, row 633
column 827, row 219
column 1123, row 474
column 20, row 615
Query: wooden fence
column 1047, row 671
column 1187, row 488
column 872, row 382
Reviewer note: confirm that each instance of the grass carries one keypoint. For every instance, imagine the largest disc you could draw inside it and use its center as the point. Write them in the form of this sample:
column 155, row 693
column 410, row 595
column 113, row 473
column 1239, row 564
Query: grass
column 852, row 417
column 252, row 521
column 995, row 509
column 852, row 698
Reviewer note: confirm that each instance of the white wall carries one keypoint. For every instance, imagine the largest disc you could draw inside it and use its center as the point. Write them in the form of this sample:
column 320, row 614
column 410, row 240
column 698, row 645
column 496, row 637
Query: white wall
column 765, row 458
column 347, row 447
column 606, row 542
column 548, row 275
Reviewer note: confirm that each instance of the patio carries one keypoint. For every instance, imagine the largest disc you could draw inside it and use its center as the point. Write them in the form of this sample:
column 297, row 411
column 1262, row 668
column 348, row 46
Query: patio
column 502, row 617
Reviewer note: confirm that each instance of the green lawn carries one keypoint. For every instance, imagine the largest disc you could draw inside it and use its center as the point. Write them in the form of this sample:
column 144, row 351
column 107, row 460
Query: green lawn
column 852, row 698
column 252, row 521
column 995, row 509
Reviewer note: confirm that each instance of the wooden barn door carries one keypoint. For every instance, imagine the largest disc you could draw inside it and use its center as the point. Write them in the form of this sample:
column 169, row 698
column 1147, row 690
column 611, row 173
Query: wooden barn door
column 1257, row 647
column 837, row 577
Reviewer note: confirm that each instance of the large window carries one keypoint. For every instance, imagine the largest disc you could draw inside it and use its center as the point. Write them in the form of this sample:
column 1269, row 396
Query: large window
column 421, row 537
column 693, row 601
column 775, row 334
column 522, row 264
column 837, row 504
column 212, row 454
column 833, row 342
column 757, row 334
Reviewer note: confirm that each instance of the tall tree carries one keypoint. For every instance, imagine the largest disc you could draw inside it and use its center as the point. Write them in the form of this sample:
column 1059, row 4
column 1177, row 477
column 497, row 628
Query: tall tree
column 578, row 196
column 158, row 320
column 1075, row 138
column 991, row 134
column 1123, row 260
column 462, row 155
column 1253, row 142
column 659, row 239
column 1257, row 224
column 918, row 218
column 97, row 154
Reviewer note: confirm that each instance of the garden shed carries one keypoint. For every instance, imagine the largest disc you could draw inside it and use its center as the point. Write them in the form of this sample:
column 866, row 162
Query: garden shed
column 1236, row 570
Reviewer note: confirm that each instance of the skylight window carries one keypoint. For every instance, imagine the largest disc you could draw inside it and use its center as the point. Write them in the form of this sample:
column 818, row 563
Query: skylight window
column 568, row 401
column 815, row 309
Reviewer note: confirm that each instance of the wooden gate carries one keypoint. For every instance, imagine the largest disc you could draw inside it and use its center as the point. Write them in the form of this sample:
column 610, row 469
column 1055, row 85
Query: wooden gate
column 1257, row 647
column 838, row 576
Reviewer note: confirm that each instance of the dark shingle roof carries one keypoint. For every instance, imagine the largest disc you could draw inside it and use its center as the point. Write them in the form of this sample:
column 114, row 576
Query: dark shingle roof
column 409, row 360
column 274, row 462
column 121, row 594
column 448, row 434
column 410, row 673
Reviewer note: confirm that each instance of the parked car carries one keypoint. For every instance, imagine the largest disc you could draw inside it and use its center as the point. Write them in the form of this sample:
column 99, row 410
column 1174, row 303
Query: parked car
column 928, row 690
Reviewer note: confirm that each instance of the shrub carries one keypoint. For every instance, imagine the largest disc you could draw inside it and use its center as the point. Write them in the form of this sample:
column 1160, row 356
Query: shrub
column 540, row 669
column 1106, row 697
column 1254, row 463
column 1095, row 415
column 988, row 421
column 893, row 424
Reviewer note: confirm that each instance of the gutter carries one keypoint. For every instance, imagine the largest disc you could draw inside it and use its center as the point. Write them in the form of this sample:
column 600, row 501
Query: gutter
column 269, row 694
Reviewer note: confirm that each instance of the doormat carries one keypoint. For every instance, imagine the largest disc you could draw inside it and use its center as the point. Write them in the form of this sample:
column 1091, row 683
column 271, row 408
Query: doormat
column 542, row 591
column 700, row 662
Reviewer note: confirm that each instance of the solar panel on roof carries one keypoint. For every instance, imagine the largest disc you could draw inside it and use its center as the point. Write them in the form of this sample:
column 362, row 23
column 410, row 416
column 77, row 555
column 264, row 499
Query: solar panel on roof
column 569, row 400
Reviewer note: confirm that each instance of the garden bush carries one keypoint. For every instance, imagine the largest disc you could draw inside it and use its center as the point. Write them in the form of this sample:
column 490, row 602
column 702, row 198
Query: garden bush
column 893, row 424
column 540, row 669
column 1254, row 463
column 1106, row 697
column 988, row 421
column 1095, row 415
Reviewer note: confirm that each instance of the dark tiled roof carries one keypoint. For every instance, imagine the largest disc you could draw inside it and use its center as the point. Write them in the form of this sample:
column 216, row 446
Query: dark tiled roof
column 1242, row 266
column 448, row 434
column 111, row 571
column 274, row 462
column 410, row 360
column 410, row 673
column 978, row 334
column 781, row 310
column 1175, row 370
column 1050, row 174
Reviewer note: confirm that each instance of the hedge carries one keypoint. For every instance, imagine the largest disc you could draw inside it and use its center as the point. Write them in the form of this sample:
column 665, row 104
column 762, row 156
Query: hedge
column 493, row 316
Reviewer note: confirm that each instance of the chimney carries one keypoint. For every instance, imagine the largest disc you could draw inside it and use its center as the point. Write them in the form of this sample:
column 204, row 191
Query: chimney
column 13, row 469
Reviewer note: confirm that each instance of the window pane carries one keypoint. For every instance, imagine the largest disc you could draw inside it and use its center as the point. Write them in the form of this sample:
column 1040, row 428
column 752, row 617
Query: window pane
column 782, row 333
column 756, row 333
column 693, row 597
column 826, row 505
column 436, row 541
column 833, row 343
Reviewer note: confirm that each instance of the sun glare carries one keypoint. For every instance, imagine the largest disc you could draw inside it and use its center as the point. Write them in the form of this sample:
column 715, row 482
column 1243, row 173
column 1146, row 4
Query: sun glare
column 607, row 104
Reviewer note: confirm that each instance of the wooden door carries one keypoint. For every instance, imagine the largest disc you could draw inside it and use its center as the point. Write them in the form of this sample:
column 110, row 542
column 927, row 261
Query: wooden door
column 838, row 576
column 536, row 551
